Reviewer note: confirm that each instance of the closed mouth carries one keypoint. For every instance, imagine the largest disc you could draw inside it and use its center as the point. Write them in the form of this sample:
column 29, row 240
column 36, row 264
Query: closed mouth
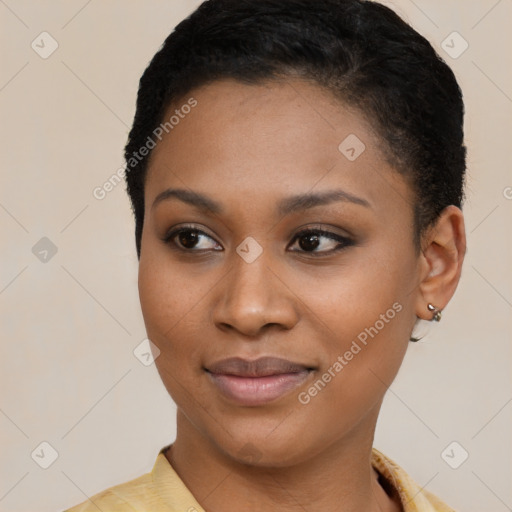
column 262, row 367
column 256, row 383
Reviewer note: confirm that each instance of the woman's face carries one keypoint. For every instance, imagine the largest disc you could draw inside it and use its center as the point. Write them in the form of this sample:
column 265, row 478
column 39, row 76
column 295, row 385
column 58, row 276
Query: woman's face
column 256, row 172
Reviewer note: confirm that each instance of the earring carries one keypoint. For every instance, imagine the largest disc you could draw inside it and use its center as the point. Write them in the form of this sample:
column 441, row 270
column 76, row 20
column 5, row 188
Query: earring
column 435, row 311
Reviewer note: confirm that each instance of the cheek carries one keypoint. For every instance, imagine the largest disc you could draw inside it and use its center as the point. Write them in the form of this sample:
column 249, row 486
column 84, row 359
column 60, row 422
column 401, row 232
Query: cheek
column 366, row 313
column 167, row 308
column 360, row 362
column 173, row 306
column 369, row 291
column 168, row 292
column 160, row 306
column 167, row 304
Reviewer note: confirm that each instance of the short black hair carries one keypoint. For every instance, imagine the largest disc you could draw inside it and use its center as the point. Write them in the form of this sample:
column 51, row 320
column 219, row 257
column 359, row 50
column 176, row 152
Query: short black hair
column 360, row 50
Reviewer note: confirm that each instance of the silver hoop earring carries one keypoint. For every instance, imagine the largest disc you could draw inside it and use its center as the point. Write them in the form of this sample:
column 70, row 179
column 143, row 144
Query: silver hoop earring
column 436, row 312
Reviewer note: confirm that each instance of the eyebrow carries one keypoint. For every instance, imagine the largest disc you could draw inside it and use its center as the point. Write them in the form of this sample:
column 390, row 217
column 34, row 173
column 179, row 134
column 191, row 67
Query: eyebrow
column 311, row 199
column 285, row 206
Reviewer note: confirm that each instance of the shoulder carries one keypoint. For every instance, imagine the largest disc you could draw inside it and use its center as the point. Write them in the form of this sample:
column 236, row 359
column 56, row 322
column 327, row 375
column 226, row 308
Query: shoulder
column 413, row 497
column 161, row 490
column 126, row 497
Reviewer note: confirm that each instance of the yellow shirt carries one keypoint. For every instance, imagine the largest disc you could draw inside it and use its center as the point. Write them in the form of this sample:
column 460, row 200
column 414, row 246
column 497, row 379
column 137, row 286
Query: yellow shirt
column 162, row 490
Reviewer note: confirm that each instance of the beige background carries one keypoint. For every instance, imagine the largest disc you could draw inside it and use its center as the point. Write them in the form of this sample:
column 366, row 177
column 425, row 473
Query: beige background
column 68, row 374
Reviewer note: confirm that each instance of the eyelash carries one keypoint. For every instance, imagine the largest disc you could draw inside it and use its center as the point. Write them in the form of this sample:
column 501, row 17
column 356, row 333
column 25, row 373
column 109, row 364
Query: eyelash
column 343, row 240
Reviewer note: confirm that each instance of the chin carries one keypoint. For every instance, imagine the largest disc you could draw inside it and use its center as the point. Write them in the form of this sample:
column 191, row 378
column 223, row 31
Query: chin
column 255, row 447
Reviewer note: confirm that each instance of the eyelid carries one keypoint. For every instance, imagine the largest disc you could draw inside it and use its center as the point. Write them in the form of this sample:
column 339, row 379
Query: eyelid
column 325, row 229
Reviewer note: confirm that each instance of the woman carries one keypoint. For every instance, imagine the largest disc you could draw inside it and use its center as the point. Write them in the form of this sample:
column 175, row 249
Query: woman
column 296, row 172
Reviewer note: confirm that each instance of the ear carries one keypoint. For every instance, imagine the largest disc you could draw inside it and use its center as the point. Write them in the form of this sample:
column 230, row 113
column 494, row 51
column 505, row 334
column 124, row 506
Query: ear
column 443, row 250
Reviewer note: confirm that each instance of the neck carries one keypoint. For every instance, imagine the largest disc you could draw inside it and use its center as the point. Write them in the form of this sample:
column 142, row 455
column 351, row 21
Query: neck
column 340, row 478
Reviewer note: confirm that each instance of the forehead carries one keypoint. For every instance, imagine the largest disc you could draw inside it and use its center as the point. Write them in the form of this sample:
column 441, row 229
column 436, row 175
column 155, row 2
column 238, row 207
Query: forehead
column 267, row 139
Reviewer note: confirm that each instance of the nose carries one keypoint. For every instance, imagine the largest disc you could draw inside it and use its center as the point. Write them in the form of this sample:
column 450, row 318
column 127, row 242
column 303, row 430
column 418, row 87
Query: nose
column 253, row 298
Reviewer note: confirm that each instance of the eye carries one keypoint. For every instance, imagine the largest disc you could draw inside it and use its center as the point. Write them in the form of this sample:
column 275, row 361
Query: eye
column 316, row 241
column 320, row 242
column 189, row 238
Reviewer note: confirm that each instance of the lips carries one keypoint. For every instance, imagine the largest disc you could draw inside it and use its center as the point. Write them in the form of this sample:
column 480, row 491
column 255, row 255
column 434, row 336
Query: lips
column 253, row 383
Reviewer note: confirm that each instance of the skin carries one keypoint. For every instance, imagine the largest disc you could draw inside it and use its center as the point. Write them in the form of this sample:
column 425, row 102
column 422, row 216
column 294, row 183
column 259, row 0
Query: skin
column 248, row 147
